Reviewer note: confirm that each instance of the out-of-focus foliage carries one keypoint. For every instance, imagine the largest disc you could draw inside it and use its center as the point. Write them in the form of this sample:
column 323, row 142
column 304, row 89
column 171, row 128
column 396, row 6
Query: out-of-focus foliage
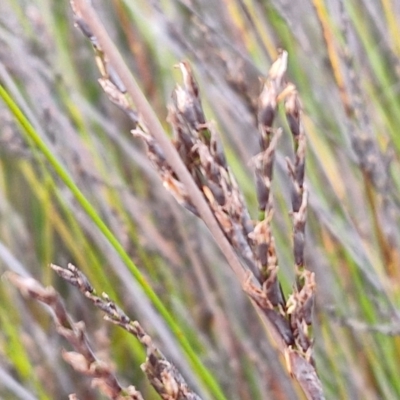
column 343, row 59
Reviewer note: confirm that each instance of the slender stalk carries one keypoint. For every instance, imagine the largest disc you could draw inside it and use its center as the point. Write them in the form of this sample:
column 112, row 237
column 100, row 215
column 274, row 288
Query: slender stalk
column 154, row 126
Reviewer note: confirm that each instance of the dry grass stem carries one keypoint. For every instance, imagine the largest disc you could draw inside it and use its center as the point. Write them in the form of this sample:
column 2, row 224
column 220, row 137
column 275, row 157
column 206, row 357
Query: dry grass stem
column 93, row 28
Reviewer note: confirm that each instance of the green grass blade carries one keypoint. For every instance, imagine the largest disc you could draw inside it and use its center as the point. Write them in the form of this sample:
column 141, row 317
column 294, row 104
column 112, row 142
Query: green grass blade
column 200, row 369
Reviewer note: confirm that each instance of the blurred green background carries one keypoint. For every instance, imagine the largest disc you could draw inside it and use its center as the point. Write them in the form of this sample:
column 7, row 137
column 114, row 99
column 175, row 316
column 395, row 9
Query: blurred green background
column 344, row 60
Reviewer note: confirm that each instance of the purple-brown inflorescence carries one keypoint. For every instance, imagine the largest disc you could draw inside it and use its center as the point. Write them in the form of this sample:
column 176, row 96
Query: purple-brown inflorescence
column 198, row 145
column 162, row 374
column 293, row 316
column 198, row 148
column 82, row 359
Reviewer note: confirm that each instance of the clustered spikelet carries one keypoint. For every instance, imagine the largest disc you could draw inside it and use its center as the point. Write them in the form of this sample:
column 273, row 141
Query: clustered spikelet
column 82, row 359
column 197, row 143
column 162, row 374
column 198, row 147
column 207, row 233
column 291, row 317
